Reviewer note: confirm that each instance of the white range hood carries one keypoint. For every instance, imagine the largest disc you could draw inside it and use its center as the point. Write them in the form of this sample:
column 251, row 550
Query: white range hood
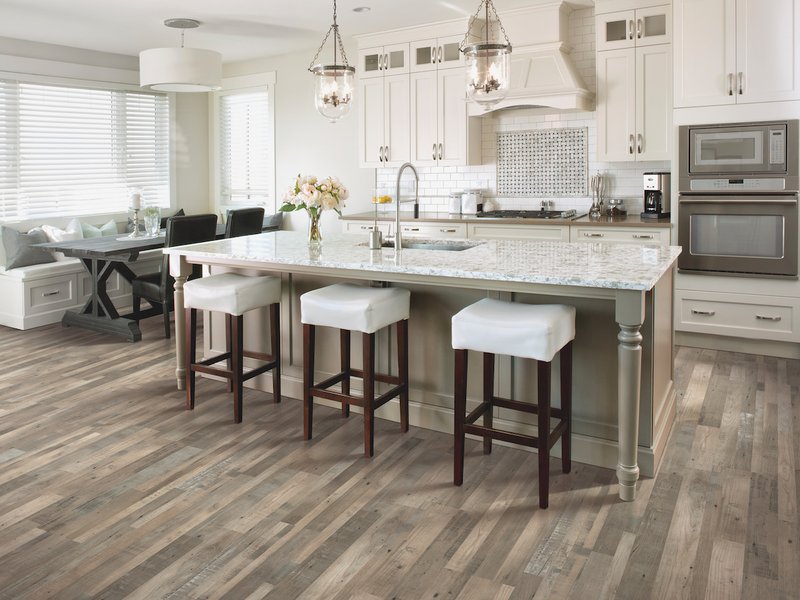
column 542, row 72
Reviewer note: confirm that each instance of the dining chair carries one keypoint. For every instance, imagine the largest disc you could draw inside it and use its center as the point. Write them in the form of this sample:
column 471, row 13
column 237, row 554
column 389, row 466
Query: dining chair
column 244, row 221
column 158, row 288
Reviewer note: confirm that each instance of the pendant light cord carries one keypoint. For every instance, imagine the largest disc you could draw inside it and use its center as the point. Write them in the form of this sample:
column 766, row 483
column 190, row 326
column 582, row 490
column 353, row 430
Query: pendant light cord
column 337, row 41
column 484, row 4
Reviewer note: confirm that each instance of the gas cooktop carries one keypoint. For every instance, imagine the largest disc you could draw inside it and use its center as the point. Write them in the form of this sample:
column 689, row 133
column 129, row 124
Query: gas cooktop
column 529, row 214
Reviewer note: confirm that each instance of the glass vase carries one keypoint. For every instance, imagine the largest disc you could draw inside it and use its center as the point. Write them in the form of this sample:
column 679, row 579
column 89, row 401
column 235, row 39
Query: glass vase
column 314, row 234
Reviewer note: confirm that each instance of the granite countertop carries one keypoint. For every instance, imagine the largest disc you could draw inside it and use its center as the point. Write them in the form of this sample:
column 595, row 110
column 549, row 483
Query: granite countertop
column 600, row 265
column 633, row 220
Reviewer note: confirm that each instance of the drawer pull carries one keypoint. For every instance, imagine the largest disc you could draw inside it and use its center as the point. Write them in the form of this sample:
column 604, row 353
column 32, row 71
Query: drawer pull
column 705, row 313
column 410, row 228
column 643, row 236
column 447, row 231
column 55, row 293
column 594, row 235
column 767, row 318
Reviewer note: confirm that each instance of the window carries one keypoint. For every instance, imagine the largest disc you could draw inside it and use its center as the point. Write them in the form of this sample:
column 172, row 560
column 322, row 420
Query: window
column 245, row 146
column 68, row 151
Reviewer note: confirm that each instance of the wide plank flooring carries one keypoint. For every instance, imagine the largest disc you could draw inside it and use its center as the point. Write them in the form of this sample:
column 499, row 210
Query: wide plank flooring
column 110, row 489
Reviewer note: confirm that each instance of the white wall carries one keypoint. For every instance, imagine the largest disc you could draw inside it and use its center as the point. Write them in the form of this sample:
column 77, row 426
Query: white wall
column 307, row 143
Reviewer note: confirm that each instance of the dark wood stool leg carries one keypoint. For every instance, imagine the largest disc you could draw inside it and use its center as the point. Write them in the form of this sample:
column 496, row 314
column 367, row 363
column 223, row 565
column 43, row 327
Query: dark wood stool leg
column 344, row 350
column 237, row 342
column 566, row 407
column 543, row 376
column 190, row 315
column 275, row 349
column 308, row 379
column 228, row 348
column 402, row 370
column 459, row 414
column 488, row 393
column 369, row 393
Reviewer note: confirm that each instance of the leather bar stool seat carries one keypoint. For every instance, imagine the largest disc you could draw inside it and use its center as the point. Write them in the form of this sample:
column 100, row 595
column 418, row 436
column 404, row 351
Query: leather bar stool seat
column 536, row 332
column 234, row 295
column 349, row 307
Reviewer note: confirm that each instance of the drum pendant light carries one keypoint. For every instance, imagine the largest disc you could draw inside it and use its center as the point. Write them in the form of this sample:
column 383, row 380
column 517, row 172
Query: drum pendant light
column 180, row 69
column 487, row 61
column 333, row 84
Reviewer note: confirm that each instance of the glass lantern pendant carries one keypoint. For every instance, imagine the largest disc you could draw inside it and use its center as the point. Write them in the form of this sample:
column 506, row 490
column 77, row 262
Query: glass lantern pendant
column 487, row 61
column 333, row 84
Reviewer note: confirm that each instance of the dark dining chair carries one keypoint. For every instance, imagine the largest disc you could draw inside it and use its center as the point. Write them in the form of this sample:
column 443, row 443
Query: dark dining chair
column 244, row 221
column 158, row 288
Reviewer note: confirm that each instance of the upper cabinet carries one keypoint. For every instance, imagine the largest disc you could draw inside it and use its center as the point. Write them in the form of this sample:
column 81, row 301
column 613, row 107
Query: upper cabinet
column 634, row 78
column 436, row 53
column 383, row 106
column 736, row 51
column 635, row 27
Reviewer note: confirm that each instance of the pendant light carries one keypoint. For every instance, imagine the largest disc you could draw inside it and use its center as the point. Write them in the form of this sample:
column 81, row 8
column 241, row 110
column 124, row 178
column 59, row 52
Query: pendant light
column 487, row 62
column 333, row 84
column 180, row 69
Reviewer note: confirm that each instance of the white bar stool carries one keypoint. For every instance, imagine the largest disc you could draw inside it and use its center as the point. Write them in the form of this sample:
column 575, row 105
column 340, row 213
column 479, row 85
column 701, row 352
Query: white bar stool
column 531, row 331
column 233, row 295
column 349, row 307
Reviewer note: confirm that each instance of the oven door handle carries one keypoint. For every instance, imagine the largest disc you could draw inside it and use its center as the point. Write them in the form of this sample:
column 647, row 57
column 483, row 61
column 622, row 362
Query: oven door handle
column 755, row 199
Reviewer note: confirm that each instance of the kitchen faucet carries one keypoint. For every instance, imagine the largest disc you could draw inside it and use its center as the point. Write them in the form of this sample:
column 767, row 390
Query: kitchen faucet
column 398, row 241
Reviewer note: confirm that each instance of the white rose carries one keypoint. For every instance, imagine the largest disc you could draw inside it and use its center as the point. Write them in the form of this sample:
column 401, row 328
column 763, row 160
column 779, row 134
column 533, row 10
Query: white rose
column 328, row 200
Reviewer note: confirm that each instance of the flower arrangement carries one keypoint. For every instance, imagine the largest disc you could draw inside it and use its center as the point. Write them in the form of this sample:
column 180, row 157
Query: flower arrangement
column 314, row 196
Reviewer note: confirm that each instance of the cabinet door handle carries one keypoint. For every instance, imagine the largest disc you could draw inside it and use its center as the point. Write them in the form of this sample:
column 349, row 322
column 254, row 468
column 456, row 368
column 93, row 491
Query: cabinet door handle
column 433, row 54
column 447, row 231
column 594, row 235
column 434, row 151
column 730, row 84
column 380, row 154
column 705, row 313
column 639, row 28
column 630, row 144
column 639, row 143
column 386, row 154
column 741, row 83
column 440, row 151
column 768, row 318
column 643, row 236
column 55, row 293
column 441, row 53
column 630, row 29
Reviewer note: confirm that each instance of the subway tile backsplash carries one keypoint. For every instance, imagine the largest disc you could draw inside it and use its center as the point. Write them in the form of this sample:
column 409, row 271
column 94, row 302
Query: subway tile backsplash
column 624, row 179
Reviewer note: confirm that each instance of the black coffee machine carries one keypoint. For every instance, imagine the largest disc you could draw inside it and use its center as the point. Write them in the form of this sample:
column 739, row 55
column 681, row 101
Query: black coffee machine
column 656, row 196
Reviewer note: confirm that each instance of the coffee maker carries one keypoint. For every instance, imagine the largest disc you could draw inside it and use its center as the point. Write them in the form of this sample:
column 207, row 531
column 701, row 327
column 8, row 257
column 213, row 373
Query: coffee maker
column 656, row 196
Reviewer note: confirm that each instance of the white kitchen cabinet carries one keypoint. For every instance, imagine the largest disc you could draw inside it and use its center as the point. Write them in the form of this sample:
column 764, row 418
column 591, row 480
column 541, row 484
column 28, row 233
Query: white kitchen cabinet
column 380, row 61
column 633, row 28
column 384, row 113
column 433, row 230
column 501, row 231
column 436, row 53
column 620, row 235
column 736, row 51
column 359, row 227
column 634, row 104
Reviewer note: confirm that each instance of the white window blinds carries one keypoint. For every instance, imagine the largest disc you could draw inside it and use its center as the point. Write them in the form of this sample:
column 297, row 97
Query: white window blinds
column 74, row 151
column 245, row 148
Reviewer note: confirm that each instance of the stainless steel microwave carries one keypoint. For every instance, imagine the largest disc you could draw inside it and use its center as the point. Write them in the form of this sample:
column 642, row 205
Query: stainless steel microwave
column 738, row 157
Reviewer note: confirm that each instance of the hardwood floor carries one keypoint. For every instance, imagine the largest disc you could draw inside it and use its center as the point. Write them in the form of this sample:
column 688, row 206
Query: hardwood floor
column 110, row 489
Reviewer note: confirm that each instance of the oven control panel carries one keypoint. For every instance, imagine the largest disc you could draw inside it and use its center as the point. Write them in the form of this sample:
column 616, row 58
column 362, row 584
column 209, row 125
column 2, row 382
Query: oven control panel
column 748, row 184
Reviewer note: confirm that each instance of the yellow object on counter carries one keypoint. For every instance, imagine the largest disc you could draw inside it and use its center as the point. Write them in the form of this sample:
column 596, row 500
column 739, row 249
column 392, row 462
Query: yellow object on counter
column 381, row 199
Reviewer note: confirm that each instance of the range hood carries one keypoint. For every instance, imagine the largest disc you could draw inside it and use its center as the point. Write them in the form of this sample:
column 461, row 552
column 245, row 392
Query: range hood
column 542, row 72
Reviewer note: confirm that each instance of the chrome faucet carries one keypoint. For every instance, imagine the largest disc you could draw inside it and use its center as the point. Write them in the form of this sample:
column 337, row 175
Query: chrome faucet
column 398, row 238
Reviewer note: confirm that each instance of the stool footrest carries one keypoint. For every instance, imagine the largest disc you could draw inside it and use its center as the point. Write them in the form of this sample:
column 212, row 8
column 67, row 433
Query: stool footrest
column 557, row 432
column 526, row 407
column 477, row 412
column 320, row 391
column 214, row 359
column 500, row 434
column 382, row 377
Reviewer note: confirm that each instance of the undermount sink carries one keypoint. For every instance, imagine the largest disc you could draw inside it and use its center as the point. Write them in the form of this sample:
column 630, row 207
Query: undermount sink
column 449, row 245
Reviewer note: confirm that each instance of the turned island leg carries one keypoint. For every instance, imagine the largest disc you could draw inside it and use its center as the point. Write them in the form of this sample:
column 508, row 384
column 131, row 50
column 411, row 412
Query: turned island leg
column 629, row 316
column 180, row 270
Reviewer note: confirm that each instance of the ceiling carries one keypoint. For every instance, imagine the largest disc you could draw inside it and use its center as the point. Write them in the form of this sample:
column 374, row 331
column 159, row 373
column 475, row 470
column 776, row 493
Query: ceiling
column 239, row 29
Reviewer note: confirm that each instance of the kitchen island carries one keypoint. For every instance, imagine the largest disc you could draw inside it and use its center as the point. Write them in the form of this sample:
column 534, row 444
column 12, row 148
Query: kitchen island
column 623, row 345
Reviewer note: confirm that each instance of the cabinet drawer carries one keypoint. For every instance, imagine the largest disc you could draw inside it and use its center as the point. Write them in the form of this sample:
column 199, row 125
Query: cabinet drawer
column 740, row 315
column 362, row 227
column 551, row 233
column 618, row 235
column 434, row 230
column 51, row 294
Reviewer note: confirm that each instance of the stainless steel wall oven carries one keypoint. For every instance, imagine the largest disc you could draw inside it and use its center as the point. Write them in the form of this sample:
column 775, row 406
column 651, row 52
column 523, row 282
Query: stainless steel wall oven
column 738, row 195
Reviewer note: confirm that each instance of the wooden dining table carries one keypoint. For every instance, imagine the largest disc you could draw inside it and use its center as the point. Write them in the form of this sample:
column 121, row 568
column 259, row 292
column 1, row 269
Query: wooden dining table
column 101, row 257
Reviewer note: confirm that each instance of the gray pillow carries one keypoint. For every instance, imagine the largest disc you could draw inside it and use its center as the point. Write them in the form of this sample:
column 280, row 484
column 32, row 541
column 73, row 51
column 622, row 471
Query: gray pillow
column 19, row 248
column 272, row 222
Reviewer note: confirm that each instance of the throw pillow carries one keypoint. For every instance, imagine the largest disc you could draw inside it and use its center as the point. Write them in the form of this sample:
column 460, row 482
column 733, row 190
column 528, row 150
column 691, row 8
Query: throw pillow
column 90, row 231
column 72, row 232
column 20, row 251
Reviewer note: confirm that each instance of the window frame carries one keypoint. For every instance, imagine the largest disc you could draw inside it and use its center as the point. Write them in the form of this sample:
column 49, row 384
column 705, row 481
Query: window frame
column 239, row 85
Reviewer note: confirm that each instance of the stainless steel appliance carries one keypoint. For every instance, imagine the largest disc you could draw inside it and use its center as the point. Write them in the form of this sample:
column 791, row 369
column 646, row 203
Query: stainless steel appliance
column 738, row 195
column 529, row 214
column 656, row 196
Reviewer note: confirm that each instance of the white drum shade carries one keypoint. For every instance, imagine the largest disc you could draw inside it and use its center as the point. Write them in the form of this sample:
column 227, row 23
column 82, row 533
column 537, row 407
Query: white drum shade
column 180, row 70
